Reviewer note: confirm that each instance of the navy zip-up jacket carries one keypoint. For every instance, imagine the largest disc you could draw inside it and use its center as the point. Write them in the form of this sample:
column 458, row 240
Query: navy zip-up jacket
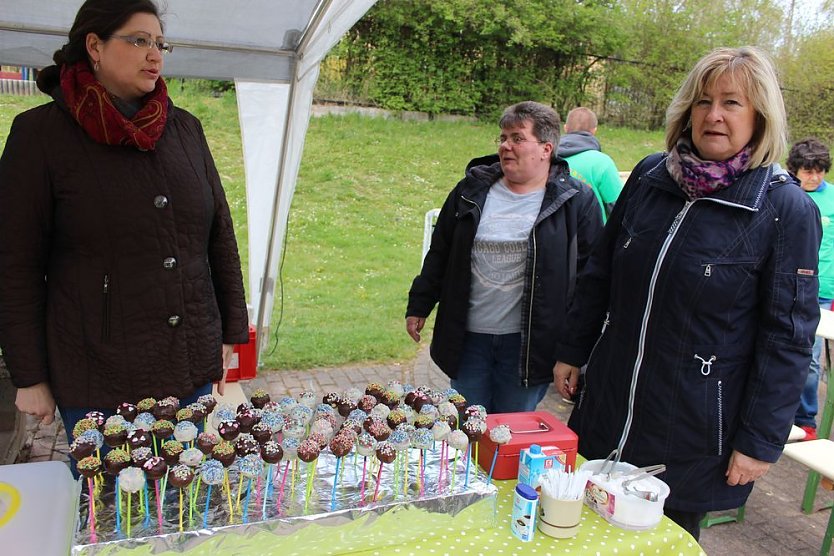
column 562, row 237
column 708, row 311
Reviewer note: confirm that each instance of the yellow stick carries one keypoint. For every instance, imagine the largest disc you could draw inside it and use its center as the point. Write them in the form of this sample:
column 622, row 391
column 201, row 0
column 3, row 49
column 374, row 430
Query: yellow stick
column 180, row 510
column 239, row 490
column 229, row 495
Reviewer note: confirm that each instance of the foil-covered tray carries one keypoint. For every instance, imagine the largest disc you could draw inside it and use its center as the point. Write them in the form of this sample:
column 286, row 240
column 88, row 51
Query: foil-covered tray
column 299, row 513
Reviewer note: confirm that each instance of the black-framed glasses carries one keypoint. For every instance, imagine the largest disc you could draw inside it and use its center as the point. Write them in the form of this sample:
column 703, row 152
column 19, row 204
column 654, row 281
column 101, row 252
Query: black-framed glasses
column 145, row 41
column 514, row 140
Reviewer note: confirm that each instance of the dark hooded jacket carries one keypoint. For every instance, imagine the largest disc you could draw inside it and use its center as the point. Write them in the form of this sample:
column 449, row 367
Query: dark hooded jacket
column 119, row 270
column 568, row 223
column 708, row 311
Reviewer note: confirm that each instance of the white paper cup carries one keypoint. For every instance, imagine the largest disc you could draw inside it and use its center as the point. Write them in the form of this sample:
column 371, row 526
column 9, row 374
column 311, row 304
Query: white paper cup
column 559, row 518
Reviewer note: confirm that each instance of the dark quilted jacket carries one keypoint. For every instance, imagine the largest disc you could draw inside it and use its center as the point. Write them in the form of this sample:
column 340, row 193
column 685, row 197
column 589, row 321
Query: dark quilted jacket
column 119, row 271
column 696, row 320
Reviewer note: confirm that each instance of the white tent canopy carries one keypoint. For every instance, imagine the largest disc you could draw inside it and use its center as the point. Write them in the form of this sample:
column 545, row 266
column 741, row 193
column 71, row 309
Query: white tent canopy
column 270, row 48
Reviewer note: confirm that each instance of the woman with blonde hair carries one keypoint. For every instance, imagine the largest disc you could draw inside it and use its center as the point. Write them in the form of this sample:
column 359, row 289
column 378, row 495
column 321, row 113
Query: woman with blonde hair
column 704, row 287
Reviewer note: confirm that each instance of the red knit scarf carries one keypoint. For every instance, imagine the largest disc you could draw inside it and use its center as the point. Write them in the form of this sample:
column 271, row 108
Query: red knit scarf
column 91, row 106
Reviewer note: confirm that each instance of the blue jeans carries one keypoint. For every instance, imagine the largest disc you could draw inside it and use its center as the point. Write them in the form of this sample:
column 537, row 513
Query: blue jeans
column 806, row 413
column 488, row 374
column 71, row 415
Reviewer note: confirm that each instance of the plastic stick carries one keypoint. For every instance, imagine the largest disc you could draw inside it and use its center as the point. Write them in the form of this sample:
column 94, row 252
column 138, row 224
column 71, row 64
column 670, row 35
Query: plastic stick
column 454, row 469
column 492, row 466
column 378, row 480
column 258, row 492
column 205, row 513
column 191, row 503
column 310, row 476
column 364, row 475
column 422, row 473
column 239, row 491
column 180, row 509
column 158, row 505
column 292, row 480
column 468, row 459
column 129, row 504
column 335, row 482
column 118, row 507
column 147, row 521
column 266, row 490
column 228, row 494
column 246, row 503
column 405, row 478
column 281, row 492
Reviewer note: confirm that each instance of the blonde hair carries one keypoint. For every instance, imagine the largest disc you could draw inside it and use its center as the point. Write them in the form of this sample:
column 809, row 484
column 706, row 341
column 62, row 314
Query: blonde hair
column 753, row 72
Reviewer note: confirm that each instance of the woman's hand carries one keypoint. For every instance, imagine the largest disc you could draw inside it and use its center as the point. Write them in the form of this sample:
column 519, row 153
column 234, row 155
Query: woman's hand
column 414, row 325
column 228, row 349
column 37, row 401
column 744, row 469
column 565, row 378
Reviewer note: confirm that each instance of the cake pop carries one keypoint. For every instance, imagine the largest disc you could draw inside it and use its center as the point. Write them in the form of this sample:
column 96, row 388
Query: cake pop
column 206, row 441
column 116, row 460
column 171, row 451
column 145, row 405
column 224, row 452
column 260, row 398
column 185, row 431
column 191, row 457
column 127, row 410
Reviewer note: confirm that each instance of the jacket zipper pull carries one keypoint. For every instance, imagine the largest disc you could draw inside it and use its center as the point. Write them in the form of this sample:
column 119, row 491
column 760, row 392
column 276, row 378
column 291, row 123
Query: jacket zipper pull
column 106, row 284
column 706, row 364
column 627, row 243
column 707, row 270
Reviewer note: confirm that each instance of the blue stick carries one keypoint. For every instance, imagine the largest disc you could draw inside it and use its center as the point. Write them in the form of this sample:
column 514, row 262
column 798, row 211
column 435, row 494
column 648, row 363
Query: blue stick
column 468, row 459
column 118, row 507
column 492, row 467
column 248, row 493
column 335, row 482
column 266, row 490
column 147, row 522
column 205, row 513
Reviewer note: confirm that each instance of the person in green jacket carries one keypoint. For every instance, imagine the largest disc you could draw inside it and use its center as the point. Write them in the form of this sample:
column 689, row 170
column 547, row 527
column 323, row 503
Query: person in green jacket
column 809, row 160
column 587, row 163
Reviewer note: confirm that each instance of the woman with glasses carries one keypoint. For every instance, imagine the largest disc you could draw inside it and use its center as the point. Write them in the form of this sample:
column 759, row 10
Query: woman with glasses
column 502, row 265
column 119, row 271
column 697, row 309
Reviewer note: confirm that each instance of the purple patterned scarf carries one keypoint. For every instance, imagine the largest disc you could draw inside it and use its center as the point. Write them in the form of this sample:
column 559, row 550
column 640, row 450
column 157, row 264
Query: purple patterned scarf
column 697, row 177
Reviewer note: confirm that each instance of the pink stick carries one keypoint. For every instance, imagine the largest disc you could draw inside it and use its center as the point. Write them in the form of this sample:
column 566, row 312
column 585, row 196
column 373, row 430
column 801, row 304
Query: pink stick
column 378, row 480
column 92, row 512
column 364, row 474
column 283, row 482
column 158, row 505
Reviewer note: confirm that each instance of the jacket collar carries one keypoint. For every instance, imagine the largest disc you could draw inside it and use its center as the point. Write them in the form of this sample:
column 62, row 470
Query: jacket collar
column 748, row 191
column 484, row 171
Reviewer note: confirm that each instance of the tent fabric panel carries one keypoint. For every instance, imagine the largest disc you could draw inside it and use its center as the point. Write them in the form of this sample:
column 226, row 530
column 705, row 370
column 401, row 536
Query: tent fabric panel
column 262, row 111
column 35, row 50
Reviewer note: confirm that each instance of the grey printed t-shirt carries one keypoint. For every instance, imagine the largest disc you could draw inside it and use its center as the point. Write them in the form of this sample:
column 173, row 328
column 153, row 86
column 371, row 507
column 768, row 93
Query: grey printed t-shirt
column 499, row 255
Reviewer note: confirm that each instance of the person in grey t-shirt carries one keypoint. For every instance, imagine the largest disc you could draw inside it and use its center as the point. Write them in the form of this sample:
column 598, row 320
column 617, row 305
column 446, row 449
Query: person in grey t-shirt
column 502, row 265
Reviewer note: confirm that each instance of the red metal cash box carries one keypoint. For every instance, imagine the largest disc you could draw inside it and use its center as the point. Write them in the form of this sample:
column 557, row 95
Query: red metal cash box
column 532, row 427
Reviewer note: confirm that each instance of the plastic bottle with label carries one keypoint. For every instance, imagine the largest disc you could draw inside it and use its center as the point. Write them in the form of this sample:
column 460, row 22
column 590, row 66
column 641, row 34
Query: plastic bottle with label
column 525, row 509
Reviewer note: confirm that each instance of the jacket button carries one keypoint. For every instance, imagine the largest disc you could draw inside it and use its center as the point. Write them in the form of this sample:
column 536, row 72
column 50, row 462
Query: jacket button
column 174, row 321
column 170, row 263
column 160, row 201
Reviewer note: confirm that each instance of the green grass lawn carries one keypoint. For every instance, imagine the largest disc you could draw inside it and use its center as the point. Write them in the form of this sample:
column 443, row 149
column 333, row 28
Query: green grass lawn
column 356, row 223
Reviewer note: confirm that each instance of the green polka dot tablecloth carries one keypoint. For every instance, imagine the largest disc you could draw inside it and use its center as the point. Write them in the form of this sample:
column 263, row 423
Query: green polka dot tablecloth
column 595, row 537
